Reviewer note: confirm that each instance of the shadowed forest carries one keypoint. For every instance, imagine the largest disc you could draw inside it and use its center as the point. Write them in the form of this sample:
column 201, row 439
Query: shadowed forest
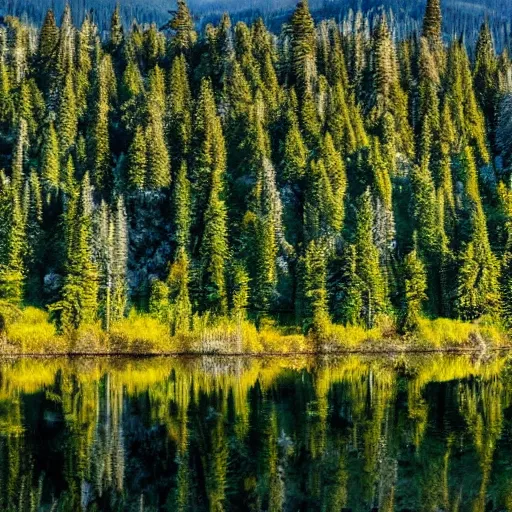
column 319, row 186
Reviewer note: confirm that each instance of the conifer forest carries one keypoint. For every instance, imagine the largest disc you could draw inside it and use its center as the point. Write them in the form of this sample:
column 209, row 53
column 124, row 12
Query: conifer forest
column 232, row 188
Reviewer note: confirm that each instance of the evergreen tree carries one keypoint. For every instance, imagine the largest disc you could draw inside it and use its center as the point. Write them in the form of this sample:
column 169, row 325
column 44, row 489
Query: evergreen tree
column 99, row 140
column 137, row 161
column 303, row 43
column 179, row 111
column 178, row 284
column 349, row 298
column 116, row 31
column 181, row 208
column 182, row 26
column 367, row 262
column 413, row 293
column 158, row 173
column 19, row 155
column 79, row 296
column 46, row 51
column 432, row 24
column 12, row 243
column 209, row 159
column 477, row 290
column 315, row 288
column 50, row 165
column 33, row 253
column 214, row 250
column 486, row 77
column 67, row 119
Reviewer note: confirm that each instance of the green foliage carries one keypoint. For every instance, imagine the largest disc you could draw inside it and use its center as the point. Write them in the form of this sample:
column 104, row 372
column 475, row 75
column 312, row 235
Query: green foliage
column 178, row 284
column 414, row 290
column 368, row 270
column 317, row 173
column 316, row 315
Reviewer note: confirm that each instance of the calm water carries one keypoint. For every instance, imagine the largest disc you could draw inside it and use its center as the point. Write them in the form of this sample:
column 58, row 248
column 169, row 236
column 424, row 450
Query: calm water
column 427, row 433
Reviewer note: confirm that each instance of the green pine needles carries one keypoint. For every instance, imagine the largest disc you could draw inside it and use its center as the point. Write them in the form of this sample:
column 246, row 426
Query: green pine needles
column 325, row 177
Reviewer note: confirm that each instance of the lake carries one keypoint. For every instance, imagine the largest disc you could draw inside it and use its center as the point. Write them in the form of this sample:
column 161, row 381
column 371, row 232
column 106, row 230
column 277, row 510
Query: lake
column 356, row 433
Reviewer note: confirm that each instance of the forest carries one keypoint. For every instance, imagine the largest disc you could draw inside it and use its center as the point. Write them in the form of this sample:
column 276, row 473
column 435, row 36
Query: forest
column 329, row 183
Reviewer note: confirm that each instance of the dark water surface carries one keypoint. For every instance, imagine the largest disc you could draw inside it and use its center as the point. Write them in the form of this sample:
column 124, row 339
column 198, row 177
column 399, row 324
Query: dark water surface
column 429, row 433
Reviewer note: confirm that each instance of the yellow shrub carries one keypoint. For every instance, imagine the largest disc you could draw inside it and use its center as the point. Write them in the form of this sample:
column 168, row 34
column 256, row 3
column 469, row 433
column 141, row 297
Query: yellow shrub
column 140, row 334
column 448, row 333
column 32, row 333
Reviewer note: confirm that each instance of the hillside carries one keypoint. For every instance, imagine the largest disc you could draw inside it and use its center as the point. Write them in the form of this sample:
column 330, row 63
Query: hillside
column 459, row 16
column 232, row 177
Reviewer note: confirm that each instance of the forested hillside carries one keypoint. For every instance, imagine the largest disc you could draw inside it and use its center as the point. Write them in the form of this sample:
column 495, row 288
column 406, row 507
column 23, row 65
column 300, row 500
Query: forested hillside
column 324, row 174
column 405, row 16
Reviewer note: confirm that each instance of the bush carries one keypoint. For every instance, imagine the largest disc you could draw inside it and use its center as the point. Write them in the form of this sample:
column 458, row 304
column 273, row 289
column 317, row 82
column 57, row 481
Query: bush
column 140, row 334
column 32, row 333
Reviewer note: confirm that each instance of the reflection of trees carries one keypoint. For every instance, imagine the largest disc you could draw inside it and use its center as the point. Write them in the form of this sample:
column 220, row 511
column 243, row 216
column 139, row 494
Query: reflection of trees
column 264, row 434
column 481, row 404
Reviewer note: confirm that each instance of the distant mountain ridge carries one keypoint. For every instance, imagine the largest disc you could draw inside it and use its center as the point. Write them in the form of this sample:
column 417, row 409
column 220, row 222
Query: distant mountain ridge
column 460, row 18
column 157, row 10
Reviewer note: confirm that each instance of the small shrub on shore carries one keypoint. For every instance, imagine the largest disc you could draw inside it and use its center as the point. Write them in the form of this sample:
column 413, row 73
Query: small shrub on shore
column 140, row 334
column 32, row 333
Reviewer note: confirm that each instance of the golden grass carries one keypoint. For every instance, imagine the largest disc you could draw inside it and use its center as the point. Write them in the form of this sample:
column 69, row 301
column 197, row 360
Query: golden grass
column 140, row 334
column 30, row 332
column 447, row 333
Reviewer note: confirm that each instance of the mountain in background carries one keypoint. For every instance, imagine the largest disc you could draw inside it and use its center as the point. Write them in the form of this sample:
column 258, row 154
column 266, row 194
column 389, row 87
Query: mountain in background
column 460, row 17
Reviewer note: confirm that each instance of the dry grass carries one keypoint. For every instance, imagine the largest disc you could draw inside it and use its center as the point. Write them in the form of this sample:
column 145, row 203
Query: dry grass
column 444, row 333
column 30, row 332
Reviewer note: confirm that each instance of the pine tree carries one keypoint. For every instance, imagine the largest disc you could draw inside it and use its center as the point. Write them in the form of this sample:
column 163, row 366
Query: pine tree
column 46, row 51
column 477, row 290
column 66, row 44
column 48, row 37
column 209, row 158
column 413, row 295
column 315, row 288
column 467, row 117
column 181, row 208
column 67, row 118
column 12, row 244
column 6, row 99
column 178, row 284
column 486, row 78
column 214, row 251
column 120, row 262
column 182, row 26
column 33, row 254
column 99, row 140
column 367, row 262
column 241, row 293
column 432, row 24
column 159, row 301
column 111, row 256
column 179, row 111
column 349, row 297
column 262, row 222
column 19, row 155
column 136, row 163
column 295, row 156
column 50, row 165
column 158, row 163
column 303, row 43
column 116, row 31
column 79, row 296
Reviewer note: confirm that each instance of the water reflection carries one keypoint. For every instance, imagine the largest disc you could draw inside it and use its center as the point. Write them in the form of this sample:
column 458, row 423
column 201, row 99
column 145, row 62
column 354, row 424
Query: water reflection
column 209, row 434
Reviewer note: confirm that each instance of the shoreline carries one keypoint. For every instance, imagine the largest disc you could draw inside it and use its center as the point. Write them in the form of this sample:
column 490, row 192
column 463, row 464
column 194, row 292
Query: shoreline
column 259, row 355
